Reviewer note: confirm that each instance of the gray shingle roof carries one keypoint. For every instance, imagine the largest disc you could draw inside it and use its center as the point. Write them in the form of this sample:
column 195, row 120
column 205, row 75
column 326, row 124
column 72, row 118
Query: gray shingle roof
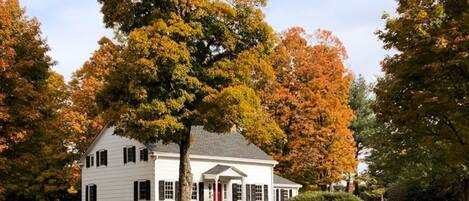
column 212, row 144
column 281, row 180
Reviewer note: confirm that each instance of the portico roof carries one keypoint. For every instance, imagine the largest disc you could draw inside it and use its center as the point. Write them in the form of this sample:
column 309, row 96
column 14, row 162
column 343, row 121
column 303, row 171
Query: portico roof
column 224, row 170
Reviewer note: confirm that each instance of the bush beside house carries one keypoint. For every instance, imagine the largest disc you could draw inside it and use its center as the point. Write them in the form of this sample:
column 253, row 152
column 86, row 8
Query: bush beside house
column 325, row 196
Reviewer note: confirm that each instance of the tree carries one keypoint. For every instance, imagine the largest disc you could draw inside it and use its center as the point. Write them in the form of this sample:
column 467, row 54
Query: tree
column 360, row 103
column 187, row 63
column 84, row 116
column 34, row 162
column 422, row 97
column 364, row 123
column 309, row 101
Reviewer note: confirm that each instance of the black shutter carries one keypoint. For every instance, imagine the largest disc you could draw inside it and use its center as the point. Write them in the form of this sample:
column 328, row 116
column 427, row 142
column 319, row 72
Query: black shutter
column 95, row 193
column 86, row 194
column 266, row 193
column 135, row 190
column 177, row 190
column 201, row 191
column 234, row 191
column 148, row 195
column 253, row 192
column 290, row 193
column 97, row 159
column 124, row 151
column 145, row 154
column 161, row 190
column 87, row 161
column 134, row 153
column 248, row 192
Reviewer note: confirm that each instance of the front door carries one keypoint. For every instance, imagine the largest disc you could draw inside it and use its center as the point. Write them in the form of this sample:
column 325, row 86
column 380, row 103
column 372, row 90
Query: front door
column 219, row 192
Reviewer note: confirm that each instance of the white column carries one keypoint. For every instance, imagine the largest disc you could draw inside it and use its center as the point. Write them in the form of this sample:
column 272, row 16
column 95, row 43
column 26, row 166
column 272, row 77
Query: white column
column 243, row 189
column 215, row 194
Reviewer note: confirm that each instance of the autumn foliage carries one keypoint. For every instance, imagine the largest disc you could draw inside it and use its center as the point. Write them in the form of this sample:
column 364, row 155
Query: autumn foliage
column 34, row 162
column 84, row 117
column 309, row 101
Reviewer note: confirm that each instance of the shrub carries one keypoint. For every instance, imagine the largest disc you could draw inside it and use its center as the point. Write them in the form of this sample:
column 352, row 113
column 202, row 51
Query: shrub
column 325, row 196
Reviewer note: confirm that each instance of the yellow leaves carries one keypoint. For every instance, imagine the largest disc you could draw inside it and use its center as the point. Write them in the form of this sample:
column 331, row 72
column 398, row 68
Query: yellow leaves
column 239, row 106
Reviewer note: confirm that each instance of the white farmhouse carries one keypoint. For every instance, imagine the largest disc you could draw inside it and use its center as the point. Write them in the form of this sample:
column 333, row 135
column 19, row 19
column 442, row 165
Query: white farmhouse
column 224, row 167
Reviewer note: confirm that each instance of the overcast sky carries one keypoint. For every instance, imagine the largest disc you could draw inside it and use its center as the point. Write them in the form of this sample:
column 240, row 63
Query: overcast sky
column 72, row 28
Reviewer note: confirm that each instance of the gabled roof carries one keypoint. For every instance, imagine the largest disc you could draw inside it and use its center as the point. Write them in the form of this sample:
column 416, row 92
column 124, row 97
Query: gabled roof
column 213, row 144
column 218, row 169
column 280, row 181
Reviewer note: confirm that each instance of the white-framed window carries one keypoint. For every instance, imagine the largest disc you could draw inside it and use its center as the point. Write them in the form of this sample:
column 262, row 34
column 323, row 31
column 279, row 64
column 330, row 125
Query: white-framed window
column 283, row 194
column 210, row 193
column 91, row 192
column 258, row 193
column 101, row 158
column 239, row 192
column 89, row 161
column 169, row 190
column 143, row 154
column 142, row 190
column 194, row 191
column 225, row 194
column 129, row 154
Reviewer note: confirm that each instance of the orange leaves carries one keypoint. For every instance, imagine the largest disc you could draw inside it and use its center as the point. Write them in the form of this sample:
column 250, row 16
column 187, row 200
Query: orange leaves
column 309, row 100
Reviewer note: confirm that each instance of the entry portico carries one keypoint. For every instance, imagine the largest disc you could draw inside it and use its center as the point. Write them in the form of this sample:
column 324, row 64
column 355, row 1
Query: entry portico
column 225, row 174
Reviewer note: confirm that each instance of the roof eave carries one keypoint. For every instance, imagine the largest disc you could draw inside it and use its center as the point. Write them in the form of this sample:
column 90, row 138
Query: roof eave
column 220, row 158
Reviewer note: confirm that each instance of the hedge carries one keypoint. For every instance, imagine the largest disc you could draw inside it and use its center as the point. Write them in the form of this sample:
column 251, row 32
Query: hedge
column 325, row 196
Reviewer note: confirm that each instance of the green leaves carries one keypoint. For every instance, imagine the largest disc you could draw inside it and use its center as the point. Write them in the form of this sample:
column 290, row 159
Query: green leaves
column 421, row 98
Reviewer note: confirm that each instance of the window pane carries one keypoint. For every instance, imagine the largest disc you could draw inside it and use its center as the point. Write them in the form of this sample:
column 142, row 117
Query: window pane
column 194, row 191
column 130, row 155
column 258, row 193
column 168, row 190
column 142, row 190
column 224, row 191
column 239, row 192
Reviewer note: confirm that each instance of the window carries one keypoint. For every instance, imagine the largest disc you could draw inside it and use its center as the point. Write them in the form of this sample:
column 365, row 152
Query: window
column 194, row 191
column 144, row 154
column 91, row 192
column 239, row 192
column 129, row 154
column 210, row 191
column 168, row 190
column 89, row 161
column 225, row 196
column 142, row 190
column 101, row 158
column 277, row 195
column 258, row 193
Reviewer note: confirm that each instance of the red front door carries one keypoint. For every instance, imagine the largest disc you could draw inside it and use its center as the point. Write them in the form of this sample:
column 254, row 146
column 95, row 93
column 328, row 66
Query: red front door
column 218, row 193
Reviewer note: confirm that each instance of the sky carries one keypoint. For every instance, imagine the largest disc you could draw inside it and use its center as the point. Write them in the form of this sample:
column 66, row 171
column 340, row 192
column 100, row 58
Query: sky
column 72, row 28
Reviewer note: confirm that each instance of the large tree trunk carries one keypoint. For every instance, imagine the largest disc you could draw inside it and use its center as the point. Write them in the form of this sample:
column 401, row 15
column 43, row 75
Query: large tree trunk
column 185, row 175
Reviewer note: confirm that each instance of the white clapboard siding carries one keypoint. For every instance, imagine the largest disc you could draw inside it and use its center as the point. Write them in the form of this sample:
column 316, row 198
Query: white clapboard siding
column 115, row 181
column 257, row 173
